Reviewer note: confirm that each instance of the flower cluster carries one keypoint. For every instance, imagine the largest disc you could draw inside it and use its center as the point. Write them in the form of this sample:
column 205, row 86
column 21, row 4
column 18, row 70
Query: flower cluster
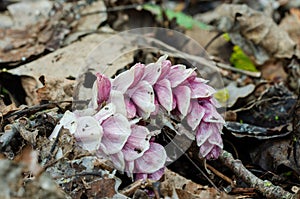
column 109, row 126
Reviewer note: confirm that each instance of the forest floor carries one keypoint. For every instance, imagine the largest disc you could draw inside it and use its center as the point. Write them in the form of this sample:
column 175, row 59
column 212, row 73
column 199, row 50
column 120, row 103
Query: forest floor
column 50, row 52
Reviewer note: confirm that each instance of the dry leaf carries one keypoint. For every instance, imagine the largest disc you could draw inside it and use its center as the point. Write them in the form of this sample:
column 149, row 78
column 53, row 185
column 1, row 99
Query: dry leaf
column 56, row 90
column 256, row 33
column 186, row 188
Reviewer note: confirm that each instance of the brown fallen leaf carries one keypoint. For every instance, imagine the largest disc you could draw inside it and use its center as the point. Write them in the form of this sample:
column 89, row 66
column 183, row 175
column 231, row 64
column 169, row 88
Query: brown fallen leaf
column 273, row 71
column 13, row 180
column 33, row 33
column 256, row 33
column 4, row 109
column 56, row 90
column 185, row 188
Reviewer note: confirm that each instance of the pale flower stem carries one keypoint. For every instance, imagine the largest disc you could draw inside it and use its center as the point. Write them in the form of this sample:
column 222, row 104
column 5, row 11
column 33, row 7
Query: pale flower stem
column 263, row 186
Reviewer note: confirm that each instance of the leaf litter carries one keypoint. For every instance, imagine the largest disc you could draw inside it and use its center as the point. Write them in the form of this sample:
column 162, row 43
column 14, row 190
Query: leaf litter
column 264, row 117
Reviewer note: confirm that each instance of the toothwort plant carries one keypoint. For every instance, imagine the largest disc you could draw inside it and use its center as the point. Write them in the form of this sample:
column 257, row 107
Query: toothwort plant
column 110, row 126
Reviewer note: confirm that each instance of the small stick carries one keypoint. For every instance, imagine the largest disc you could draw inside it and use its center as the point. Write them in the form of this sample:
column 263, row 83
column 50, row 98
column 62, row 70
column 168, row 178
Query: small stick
column 263, row 186
column 245, row 72
column 221, row 175
column 242, row 191
column 34, row 109
column 8, row 135
column 130, row 189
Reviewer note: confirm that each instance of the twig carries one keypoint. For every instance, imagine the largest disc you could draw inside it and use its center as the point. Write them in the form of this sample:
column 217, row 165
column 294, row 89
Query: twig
column 264, row 186
column 245, row 72
column 192, row 162
column 242, row 191
column 215, row 66
column 116, row 8
column 129, row 190
column 212, row 40
column 221, row 175
column 7, row 136
column 34, row 109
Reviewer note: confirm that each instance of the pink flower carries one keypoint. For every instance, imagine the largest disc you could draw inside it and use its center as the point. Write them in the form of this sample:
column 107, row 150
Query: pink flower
column 116, row 129
column 136, row 86
column 162, row 87
column 108, row 127
column 86, row 130
column 180, row 90
column 137, row 143
column 171, row 90
column 152, row 160
column 100, row 92
column 208, row 138
column 152, row 176
column 104, row 87
column 138, row 155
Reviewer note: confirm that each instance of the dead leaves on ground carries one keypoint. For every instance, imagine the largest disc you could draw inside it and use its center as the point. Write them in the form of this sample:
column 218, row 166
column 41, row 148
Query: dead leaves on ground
column 261, row 107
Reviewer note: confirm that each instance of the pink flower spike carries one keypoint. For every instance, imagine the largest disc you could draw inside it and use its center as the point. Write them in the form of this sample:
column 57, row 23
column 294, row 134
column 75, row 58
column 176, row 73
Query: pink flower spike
column 116, row 132
column 205, row 149
column 210, row 151
column 211, row 114
column 117, row 98
column 68, row 121
column 209, row 139
column 104, row 87
column 118, row 161
column 214, row 153
column 157, row 106
column 204, row 131
column 152, row 160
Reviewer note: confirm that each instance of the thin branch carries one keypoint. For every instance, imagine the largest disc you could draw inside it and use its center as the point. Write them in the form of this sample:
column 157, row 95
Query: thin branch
column 221, row 175
column 129, row 190
column 213, row 39
column 263, row 186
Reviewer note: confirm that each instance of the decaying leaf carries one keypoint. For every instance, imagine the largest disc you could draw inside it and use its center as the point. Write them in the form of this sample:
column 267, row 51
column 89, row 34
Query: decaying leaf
column 91, row 17
column 65, row 62
column 23, row 128
column 30, row 85
column 174, row 186
column 6, row 108
column 247, row 130
column 273, row 108
column 34, row 35
column 56, row 89
column 278, row 156
column 228, row 96
column 291, row 24
column 256, row 33
column 29, row 12
column 34, row 31
column 13, row 180
column 91, row 180
column 273, row 71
